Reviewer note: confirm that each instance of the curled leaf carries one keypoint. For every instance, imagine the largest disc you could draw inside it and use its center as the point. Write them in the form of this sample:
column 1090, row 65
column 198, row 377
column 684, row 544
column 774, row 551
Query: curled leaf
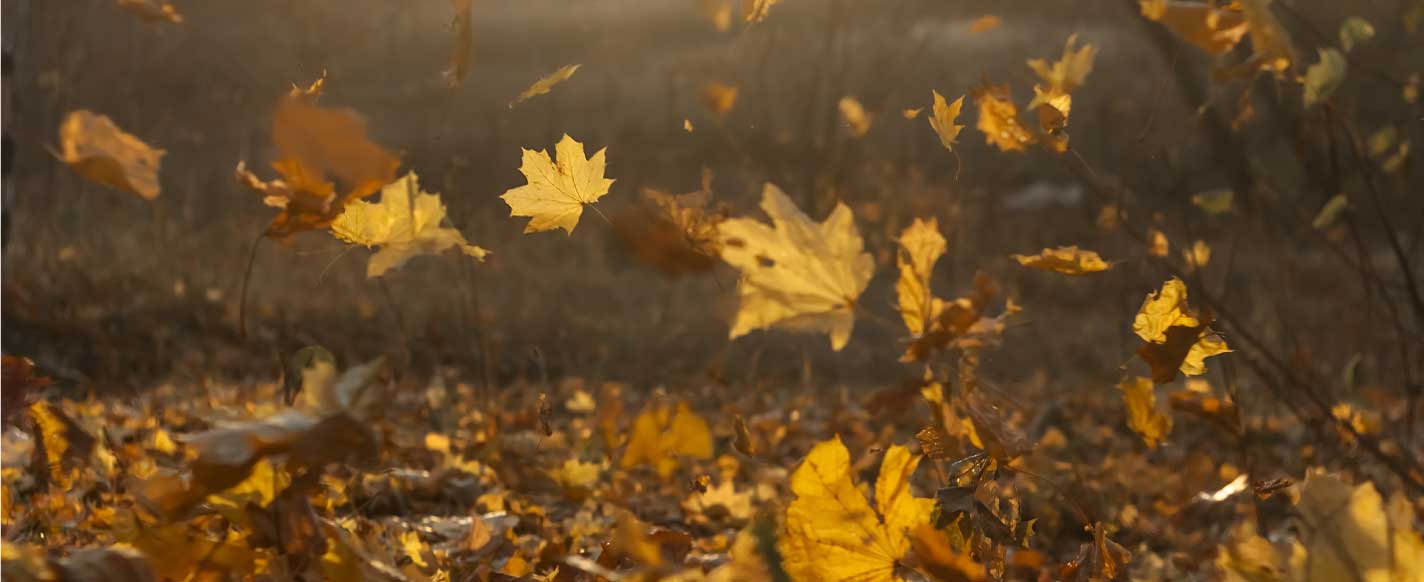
column 104, row 154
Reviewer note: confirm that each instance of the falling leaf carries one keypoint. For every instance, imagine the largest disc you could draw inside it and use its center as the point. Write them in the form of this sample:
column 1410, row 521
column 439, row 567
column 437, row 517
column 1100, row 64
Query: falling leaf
column 312, row 91
column 999, row 119
column 463, row 22
column 662, row 433
column 556, row 194
column 797, row 274
column 545, row 84
column 1157, row 244
column 833, row 533
column 942, row 122
column 1324, row 77
column 1355, row 30
column 1216, row 201
column 406, row 223
column 1212, row 29
column 921, row 246
column 104, row 154
column 936, row 553
column 984, row 23
column 687, row 125
column 1351, row 533
column 1142, row 415
column 855, row 115
column 1330, row 211
column 1069, row 72
column 1175, row 338
column 1069, row 260
column 719, row 98
column 911, row 113
column 1248, row 557
column 719, row 12
column 152, row 10
column 756, row 10
column 1197, row 256
column 1271, row 44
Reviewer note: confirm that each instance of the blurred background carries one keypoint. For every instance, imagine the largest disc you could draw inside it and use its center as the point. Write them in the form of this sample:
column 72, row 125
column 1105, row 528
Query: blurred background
column 108, row 290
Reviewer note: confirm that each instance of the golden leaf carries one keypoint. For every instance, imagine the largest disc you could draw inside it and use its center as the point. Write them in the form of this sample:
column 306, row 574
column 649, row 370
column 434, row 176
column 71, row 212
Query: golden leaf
column 312, row 91
column 1175, row 338
column 545, row 84
column 855, row 115
column 722, row 504
column 1214, row 201
column 1157, row 244
column 797, row 274
column 406, row 223
column 833, row 533
column 556, row 194
column 1197, row 256
column 1161, row 310
column 1142, row 415
column 1069, row 260
column 756, row 10
column 152, row 10
column 984, row 23
column 999, row 119
column 1248, row 557
column 921, row 245
column 1211, row 29
column 104, row 154
column 1328, row 213
column 936, row 552
column 719, row 98
column 661, row 433
column 719, row 12
column 332, row 141
column 942, row 122
column 1067, row 73
column 908, row 113
column 1271, row 45
column 1352, row 534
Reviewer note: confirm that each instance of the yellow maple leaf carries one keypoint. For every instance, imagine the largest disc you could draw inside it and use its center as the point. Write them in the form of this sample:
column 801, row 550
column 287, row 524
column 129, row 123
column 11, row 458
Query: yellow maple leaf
column 1069, row 260
column 999, row 119
column 1175, row 338
column 1142, row 415
column 1161, row 310
column 945, row 114
column 101, row 152
column 1067, row 73
column 921, row 245
column 661, row 433
column 855, row 115
column 545, row 84
column 832, row 532
column 1210, row 28
column 406, row 223
column 797, row 274
column 556, row 194
column 1353, row 534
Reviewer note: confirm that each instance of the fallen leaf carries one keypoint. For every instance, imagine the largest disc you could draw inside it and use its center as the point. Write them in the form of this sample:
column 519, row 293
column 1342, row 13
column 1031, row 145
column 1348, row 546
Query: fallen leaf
column 1069, row 260
column 797, row 274
column 942, row 122
column 1216, row 201
column 545, row 84
column 833, row 533
column 920, row 247
column 98, row 150
column 406, row 223
column 1351, row 533
column 1142, row 415
column 661, row 433
column 555, row 195
column 1248, row 557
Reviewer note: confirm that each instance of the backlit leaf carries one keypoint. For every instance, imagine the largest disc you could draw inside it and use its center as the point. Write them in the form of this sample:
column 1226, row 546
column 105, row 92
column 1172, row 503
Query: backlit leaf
column 104, row 154
column 662, row 433
column 920, row 247
column 555, row 194
column 943, row 120
column 545, row 84
column 1142, row 414
column 797, row 274
column 406, row 223
column 1069, row 260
